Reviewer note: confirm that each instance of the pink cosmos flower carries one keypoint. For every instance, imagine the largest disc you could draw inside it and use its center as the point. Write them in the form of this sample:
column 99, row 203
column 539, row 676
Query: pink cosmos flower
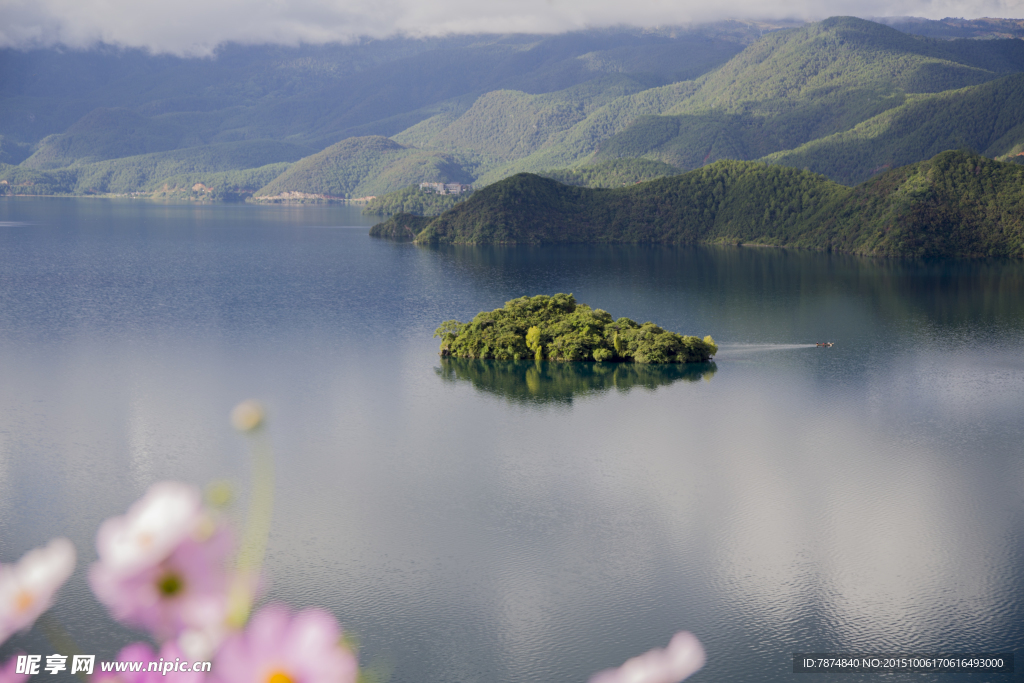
column 163, row 566
column 8, row 672
column 185, row 590
column 154, row 526
column 683, row 657
column 142, row 652
column 27, row 587
column 278, row 647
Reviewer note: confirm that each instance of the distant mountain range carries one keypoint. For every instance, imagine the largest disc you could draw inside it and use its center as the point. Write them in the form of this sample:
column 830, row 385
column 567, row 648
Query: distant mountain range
column 845, row 97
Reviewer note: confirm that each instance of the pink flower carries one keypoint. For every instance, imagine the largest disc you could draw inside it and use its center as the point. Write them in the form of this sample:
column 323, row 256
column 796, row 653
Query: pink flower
column 186, row 590
column 278, row 647
column 27, row 587
column 163, row 566
column 683, row 657
column 154, row 526
column 142, row 652
column 8, row 674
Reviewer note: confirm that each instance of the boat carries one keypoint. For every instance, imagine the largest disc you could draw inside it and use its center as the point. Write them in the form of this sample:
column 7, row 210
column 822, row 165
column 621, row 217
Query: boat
column 824, row 344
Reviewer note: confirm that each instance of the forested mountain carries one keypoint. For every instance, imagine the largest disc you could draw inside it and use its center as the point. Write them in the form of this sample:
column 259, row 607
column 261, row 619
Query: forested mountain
column 319, row 95
column 788, row 89
column 844, row 97
column 988, row 118
column 956, row 204
column 614, row 173
column 363, row 166
column 238, row 164
column 804, row 84
column 952, row 27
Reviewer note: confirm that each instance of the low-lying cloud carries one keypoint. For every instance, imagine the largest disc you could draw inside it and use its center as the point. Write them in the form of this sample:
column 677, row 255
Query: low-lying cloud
column 197, row 27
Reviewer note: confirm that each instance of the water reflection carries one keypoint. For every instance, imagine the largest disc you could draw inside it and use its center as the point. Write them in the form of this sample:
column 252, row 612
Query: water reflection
column 551, row 382
column 753, row 294
column 861, row 497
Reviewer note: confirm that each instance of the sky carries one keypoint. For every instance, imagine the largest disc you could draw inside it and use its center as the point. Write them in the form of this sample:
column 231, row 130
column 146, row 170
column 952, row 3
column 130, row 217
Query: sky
column 197, row 27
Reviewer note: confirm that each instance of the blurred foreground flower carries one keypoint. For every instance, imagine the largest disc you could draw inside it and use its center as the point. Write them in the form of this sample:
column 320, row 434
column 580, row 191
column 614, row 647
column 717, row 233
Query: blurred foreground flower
column 27, row 587
column 247, row 416
column 683, row 657
column 153, row 527
column 277, row 647
column 163, row 566
column 8, row 673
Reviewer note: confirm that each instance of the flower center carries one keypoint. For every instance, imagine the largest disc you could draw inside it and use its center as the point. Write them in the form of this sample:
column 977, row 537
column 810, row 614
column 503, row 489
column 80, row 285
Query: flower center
column 23, row 600
column 279, row 676
column 170, row 585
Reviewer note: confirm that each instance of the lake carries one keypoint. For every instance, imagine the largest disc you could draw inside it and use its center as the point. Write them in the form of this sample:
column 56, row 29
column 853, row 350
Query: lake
column 480, row 522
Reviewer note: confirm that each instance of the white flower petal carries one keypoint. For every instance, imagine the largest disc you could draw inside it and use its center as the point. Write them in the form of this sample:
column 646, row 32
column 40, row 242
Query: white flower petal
column 153, row 527
column 683, row 657
column 27, row 587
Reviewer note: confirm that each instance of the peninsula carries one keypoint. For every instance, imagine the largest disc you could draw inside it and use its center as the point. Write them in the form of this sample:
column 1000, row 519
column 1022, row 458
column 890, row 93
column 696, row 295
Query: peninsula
column 557, row 328
column 957, row 204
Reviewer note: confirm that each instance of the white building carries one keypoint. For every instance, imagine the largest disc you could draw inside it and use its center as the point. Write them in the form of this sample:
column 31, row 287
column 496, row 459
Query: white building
column 446, row 188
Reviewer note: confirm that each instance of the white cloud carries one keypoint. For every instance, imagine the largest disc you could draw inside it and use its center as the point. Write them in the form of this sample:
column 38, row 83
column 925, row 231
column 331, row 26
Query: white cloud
column 198, row 26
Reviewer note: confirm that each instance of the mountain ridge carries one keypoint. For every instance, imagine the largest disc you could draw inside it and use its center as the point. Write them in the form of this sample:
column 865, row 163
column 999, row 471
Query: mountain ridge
column 957, row 204
column 837, row 96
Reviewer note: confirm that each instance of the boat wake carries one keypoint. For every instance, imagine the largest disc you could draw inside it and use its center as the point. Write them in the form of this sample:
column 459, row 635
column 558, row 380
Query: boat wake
column 762, row 347
column 728, row 350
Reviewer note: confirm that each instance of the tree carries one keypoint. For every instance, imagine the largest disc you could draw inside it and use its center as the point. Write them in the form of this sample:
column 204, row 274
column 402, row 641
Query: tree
column 533, row 342
column 448, row 331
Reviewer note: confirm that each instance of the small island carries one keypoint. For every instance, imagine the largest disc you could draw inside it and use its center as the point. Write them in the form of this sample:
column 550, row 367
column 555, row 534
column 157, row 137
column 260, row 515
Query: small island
column 559, row 329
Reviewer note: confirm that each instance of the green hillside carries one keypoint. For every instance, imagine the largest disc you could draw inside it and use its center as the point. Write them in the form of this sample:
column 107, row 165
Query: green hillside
column 71, row 109
column 845, row 59
column 412, row 200
column 803, row 84
column 580, row 142
column 108, row 134
column 359, row 167
column 219, row 185
column 988, row 118
column 784, row 90
column 26, row 181
column 844, row 97
column 319, row 94
column 400, row 227
column 956, row 204
column 614, row 173
column 682, row 209
column 151, row 172
column 693, row 140
column 508, row 125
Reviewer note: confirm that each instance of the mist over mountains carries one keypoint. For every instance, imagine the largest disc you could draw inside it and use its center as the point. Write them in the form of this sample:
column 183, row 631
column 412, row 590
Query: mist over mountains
column 844, row 97
column 200, row 27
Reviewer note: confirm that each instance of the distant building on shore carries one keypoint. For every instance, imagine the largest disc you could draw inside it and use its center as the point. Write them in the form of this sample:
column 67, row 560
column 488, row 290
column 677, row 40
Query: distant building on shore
column 446, row 188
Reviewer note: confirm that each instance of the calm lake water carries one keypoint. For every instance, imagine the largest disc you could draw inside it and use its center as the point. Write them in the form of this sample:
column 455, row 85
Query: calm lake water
column 482, row 522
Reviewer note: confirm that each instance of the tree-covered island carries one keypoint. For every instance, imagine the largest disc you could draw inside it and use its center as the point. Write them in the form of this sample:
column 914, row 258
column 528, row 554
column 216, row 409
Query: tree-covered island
column 557, row 328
